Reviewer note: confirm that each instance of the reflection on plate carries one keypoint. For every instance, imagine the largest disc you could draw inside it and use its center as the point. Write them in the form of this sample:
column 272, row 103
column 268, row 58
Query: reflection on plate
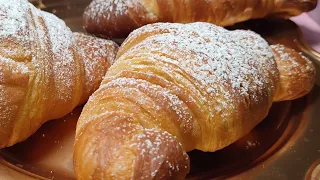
column 284, row 146
column 48, row 153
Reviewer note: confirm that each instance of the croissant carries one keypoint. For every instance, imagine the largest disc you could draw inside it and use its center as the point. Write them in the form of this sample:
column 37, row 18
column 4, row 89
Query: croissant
column 45, row 69
column 179, row 87
column 117, row 18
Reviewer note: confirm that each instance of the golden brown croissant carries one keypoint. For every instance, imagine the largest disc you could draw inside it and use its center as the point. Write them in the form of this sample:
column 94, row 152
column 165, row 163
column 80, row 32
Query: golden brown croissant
column 45, row 69
column 117, row 18
column 175, row 88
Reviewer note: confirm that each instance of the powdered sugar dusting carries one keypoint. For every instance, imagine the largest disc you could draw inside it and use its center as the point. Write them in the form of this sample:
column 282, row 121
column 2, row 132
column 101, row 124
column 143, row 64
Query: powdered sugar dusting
column 230, row 69
column 5, row 109
column 12, row 74
column 233, row 71
column 36, row 48
column 151, row 145
column 14, row 26
column 183, row 113
column 15, row 67
column 61, row 37
column 285, row 56
column 223, row 62
column 106, row 8
column 296, row 72
column 112, row 18
column 13, row 22
column 97, row 55
column 21, row 22
column 63, row 47
column 15, row 42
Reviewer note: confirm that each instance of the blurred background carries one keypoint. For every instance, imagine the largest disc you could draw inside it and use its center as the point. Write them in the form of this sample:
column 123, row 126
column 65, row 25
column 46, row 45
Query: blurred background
column 310, row 25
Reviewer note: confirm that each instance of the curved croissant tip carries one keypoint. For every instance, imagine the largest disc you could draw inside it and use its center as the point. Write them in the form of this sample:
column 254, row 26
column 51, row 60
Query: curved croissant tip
column 289, row 8
column 307, row 5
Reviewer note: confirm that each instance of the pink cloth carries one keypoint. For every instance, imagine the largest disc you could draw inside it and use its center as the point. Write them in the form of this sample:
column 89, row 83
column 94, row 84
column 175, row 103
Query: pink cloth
column 309, row 24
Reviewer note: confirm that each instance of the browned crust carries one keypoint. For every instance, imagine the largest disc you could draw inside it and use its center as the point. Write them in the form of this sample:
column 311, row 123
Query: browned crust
column 149, row 111
column 97, row 56
column 32, row 91
column 297, row 73
column 111, row 19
